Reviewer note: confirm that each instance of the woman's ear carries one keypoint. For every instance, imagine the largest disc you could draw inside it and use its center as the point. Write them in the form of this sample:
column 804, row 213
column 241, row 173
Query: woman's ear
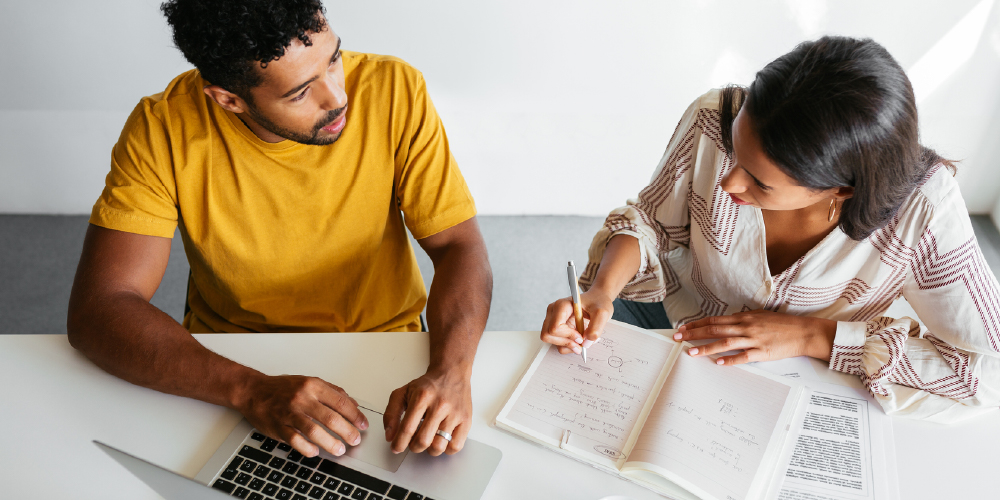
column 843, row 193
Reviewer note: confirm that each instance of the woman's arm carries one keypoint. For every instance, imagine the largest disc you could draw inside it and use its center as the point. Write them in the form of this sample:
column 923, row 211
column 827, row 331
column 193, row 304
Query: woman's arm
column 618, row 266
column 624, row 258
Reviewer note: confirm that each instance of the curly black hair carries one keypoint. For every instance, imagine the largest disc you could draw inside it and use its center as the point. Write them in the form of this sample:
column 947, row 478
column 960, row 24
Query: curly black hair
column 225, row 38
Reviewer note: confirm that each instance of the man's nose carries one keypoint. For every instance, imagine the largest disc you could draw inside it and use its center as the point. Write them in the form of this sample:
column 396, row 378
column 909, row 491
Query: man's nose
column 335, row 96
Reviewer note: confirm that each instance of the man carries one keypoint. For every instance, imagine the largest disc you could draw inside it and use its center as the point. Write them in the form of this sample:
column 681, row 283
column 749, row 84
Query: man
column 286, row 163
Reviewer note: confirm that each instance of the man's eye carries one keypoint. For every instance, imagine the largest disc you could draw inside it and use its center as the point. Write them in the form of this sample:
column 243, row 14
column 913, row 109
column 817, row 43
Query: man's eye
column 300, row 96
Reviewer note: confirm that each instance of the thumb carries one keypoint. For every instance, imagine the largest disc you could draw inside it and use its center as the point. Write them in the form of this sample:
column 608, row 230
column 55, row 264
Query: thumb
column 598, row 320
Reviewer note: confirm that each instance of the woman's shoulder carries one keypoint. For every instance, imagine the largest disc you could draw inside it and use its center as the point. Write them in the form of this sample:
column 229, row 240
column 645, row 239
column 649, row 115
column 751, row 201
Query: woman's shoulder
column 936, row 205
column 709, row 100
column 702, row 115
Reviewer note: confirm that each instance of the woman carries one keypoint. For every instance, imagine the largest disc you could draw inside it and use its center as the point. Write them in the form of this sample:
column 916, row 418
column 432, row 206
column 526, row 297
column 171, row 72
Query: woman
column 786, row 217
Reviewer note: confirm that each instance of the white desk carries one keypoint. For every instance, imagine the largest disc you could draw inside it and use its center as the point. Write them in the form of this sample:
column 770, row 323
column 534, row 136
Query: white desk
column 53, row 402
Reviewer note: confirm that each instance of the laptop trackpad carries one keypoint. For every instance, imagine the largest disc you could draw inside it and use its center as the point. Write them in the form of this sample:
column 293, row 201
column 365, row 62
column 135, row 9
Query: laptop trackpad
column 374, row 450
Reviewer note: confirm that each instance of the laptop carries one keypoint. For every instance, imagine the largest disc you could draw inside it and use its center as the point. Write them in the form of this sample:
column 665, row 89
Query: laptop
column 252, row 466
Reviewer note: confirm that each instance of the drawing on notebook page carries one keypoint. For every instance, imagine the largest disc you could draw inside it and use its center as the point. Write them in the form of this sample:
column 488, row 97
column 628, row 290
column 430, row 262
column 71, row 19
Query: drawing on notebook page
column 710, row 427
column 641, row 409
column 598, row 401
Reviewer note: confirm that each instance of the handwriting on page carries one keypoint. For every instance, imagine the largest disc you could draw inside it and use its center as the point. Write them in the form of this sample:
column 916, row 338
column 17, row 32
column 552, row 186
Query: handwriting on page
column 598, row 401
column 711, row 425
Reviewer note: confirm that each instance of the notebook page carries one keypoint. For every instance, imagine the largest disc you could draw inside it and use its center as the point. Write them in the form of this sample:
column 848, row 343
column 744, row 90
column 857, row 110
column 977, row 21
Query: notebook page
column 599, row 401
column 710, row 427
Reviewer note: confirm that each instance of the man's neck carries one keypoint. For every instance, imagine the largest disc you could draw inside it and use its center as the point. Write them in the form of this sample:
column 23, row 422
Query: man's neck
column 261, row 132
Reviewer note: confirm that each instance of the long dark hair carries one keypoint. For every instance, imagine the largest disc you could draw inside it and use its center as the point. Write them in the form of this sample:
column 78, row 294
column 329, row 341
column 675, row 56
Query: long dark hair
column 838, row 112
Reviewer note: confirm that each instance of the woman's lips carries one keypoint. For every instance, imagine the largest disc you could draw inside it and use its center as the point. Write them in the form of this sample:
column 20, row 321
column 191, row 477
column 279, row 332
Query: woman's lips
column 737, row 200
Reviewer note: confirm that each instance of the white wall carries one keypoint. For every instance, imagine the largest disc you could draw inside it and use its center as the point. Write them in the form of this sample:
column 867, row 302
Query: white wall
column 552, row 106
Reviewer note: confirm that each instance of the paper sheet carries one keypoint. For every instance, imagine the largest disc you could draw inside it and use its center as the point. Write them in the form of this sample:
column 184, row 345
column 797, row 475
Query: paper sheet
column 797, row 368
column 711, row 426
column 599, row 401
column 838, row 450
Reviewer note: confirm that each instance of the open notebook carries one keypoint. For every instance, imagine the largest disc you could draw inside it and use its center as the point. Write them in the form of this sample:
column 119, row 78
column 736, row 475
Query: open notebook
column 642, row 409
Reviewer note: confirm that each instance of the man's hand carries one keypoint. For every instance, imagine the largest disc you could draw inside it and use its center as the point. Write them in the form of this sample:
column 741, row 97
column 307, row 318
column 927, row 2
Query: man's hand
column 442, row 401
column 291, row 408
column 761, row 335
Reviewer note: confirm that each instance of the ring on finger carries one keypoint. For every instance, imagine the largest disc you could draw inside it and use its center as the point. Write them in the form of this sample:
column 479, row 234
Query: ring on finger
column 445, row 434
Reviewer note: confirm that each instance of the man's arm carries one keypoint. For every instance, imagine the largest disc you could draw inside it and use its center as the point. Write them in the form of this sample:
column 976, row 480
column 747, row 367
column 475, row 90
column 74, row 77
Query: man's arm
column 112, row 322
column 457, row 309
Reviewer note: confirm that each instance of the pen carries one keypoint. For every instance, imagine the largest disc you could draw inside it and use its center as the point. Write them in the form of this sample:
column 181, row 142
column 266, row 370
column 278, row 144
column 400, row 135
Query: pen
column 574, row 290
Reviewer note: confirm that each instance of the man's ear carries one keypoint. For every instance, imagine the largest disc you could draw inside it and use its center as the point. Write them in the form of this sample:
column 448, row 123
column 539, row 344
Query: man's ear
column 844, row 192
column 228, row 100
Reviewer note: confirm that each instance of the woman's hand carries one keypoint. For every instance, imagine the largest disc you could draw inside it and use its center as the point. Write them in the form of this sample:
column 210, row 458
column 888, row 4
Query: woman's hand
column 559, row 327
column 761, row 335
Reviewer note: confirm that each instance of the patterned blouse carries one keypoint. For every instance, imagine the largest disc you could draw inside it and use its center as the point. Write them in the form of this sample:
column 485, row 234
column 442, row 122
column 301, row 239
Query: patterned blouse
column 703, row 255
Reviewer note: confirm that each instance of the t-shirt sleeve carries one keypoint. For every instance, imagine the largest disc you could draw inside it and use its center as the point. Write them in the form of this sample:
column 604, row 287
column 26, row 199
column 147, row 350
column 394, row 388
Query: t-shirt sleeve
column 140, row 191
column 431, row 191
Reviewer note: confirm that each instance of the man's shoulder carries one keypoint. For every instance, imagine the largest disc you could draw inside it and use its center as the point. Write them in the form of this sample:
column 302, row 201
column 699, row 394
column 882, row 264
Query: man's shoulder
column 182, row 90
column 378, row 67
column 181, row 98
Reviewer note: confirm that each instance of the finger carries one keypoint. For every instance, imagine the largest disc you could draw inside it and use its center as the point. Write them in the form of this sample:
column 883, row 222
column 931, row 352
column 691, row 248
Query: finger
column 711, row 320
column 723, row 345
column 458, row 438
column 566, row 350
column 558, row 313
column 598, row 319
column 415, row 408
column 564, row 343
column 344, row 405
column 300, row 443
column 317, row 435
column 336, row 423
column 746, row 356
column 394, row 412
column 438, row 443
column 433, row 419
column 711, row 332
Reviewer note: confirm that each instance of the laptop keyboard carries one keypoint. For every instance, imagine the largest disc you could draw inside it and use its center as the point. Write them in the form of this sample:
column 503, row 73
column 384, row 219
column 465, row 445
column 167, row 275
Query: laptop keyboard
column 266, row 469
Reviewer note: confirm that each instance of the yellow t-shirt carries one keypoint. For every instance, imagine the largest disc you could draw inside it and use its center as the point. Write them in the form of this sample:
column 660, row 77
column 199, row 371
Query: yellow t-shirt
column 290, row 237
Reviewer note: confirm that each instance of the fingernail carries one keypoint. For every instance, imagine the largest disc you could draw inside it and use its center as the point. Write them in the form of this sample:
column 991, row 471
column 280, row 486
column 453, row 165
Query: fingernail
column 338, row 449
column 681, row 328
column 720, row 361
column 578, row 339
column 678, row 336
column 587, row 343
column 692, row 351
column 357, row 441
column 364, row 425
column 577, row 349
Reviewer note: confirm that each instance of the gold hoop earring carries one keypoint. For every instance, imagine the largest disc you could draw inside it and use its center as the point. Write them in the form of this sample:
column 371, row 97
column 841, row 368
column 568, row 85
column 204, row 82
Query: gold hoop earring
column 832, row 212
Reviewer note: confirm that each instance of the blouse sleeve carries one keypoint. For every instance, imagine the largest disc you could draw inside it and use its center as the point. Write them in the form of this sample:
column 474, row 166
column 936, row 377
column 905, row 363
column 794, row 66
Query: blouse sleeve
column 949, row 368
column 658, row 218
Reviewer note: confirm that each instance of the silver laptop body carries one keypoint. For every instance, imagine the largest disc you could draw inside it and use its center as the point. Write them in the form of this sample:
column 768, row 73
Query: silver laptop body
column 369, row 471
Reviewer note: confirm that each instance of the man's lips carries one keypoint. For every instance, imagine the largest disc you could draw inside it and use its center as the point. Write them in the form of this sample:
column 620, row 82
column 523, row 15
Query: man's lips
column 737, row 200
column 337, row 124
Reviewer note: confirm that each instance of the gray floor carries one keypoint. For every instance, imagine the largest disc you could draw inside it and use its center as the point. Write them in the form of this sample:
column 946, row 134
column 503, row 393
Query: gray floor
column 38, row 257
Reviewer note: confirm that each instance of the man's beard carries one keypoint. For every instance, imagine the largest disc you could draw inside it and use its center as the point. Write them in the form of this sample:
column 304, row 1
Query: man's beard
column 312, row 139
